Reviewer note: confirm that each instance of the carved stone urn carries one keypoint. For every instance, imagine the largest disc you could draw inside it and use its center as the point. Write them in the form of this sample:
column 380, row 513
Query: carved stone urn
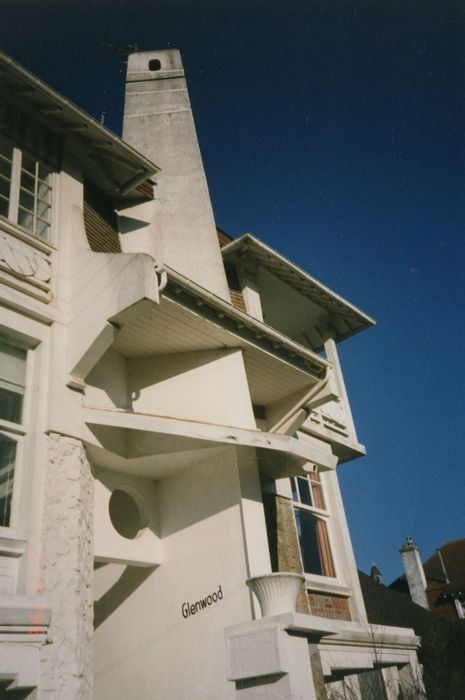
column 276, row 593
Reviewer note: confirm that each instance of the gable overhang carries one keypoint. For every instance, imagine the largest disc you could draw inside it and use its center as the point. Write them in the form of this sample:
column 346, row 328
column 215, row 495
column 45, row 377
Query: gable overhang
column 106, row 159
column 344, row 318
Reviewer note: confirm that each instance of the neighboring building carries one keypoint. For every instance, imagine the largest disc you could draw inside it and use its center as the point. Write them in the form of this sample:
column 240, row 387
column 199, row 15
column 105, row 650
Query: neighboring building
column 439, row 582
column 442, row 647
column 172, row 413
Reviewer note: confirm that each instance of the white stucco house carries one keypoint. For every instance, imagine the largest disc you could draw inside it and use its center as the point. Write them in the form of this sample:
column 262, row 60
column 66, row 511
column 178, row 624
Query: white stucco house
column 172, row 417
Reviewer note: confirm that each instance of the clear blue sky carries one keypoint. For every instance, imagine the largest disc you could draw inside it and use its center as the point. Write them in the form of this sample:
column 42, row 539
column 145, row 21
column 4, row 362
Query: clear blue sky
column 334, row 131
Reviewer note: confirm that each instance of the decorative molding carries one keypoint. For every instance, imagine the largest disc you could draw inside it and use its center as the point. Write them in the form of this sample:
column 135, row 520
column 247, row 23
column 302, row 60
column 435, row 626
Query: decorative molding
column 331, row 416
column 12, row 545
column 23, row 261
column 25, row 266
column 32, row 240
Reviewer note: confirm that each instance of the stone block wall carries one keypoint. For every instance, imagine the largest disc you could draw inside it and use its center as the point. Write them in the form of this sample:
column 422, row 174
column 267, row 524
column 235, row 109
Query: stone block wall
column 67, row 570
column 283, row 541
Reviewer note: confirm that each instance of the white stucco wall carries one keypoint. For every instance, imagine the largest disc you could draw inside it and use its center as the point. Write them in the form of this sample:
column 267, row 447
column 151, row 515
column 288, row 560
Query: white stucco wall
column 145, row 648
column 206, row 386
column 107, row 383
column 158, row 122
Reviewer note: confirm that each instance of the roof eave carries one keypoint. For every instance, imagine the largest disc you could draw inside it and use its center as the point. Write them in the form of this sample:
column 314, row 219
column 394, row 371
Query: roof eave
column 248, row 242
column 80, row 129
column 244, row 324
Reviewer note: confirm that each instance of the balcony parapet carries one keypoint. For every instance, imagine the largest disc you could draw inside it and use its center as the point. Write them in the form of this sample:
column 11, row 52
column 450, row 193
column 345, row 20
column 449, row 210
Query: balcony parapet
column 125, row 285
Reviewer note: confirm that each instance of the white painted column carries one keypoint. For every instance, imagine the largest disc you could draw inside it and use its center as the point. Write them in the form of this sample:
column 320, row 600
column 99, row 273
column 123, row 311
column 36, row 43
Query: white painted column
column 247, row 269
column 253, row 515
column 333, row 357
column 269, row 659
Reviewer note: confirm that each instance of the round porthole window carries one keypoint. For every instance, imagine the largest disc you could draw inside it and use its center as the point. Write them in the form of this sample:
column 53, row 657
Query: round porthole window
column 125, row 514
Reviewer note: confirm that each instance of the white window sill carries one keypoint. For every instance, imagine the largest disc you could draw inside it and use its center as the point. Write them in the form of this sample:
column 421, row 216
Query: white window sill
column 326, row 585
column 10, row 427
column 11, row 544
column 26, row 236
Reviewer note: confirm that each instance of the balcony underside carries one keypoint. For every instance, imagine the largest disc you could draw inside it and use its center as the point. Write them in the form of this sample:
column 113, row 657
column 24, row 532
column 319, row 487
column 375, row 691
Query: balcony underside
column 170, row 328
column 153, row 446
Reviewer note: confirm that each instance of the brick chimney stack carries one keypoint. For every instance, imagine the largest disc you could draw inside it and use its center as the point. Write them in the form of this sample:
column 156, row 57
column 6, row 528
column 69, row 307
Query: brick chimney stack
column 158, row 123
column 414, row 573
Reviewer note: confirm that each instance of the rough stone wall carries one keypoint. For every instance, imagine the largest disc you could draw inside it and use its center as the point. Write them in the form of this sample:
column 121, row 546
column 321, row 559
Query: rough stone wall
column 317, row 672
column 66, row 662
column 283, row 541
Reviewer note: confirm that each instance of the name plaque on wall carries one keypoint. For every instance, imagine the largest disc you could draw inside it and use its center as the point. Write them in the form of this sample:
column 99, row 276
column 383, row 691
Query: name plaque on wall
column 189, row 609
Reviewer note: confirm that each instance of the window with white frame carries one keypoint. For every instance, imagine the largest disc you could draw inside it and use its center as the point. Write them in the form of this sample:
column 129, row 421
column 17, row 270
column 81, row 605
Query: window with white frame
column 28, row 157
column 12, row 388
column 310, row 517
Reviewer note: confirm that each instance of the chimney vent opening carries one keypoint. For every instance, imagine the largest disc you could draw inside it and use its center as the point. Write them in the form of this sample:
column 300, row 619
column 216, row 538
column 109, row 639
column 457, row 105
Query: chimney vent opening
column 154, row 64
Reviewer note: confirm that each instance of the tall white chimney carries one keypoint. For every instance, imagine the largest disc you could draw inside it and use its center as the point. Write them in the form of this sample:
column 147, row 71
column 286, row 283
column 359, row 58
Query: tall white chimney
column 414, row 573
column 158, row 122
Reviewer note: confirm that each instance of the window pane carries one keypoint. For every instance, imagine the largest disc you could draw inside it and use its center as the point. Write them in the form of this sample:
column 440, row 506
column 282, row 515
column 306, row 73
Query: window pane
column 26, row 178
column 42, row 228
column 5, row 167
column 25, row 219
column 28, row 163
column 12, row 382
column 28, row 182
column 317, row 492
column 6, row 148
column 7, row 469
column 26, row 200
column 308, row 539
column 12, row 363
column 11, row 404
column 43, row 191
column 4, row 195
column 304, row 490
column 44, row 173
column 5, row 185
column 4, row 206
column 295, row 493
column 42, row 209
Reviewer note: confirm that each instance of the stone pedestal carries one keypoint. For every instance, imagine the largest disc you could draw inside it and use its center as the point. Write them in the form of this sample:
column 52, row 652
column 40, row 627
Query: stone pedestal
column 269, row 658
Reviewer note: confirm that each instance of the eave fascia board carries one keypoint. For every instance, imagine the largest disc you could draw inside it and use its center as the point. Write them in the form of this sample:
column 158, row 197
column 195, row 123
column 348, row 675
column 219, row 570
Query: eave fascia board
column 244, row 325
column 247, row 242
column 95, row 135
